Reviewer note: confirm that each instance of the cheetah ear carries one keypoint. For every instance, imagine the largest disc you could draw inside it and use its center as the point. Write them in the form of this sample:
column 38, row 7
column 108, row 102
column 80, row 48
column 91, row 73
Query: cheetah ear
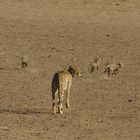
column 70, row 66
column 71, row 70
column 121, row 64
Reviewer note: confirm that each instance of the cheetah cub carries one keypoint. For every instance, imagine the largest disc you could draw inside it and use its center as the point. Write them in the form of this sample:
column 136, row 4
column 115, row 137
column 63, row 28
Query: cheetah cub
column 113, row 69
column 95, row 65
column 61, row 82
column 24, row 62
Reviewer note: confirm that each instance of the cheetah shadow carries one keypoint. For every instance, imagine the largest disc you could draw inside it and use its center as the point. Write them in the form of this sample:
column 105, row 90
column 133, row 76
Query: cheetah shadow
column 25, row 111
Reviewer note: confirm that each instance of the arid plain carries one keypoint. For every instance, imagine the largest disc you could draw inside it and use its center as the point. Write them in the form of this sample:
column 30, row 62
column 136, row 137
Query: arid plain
column 53, row 34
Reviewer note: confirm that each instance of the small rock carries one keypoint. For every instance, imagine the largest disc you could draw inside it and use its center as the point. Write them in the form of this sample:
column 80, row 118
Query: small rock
column 129, row 100
column 117, row 4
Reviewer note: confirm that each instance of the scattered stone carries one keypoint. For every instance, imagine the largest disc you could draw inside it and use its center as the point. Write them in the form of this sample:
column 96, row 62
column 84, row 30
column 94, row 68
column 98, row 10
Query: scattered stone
column 129, row 100
column 117, row 4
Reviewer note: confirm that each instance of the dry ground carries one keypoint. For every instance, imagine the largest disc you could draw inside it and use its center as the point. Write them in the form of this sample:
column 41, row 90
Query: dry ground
column 53, row 34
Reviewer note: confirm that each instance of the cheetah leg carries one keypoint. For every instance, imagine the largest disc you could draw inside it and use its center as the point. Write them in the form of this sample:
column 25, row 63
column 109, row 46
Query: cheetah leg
column 97, row 68
column 114, row 73
column 92, row 69
column 105, row 70
column 60, row 105
column 108, row 73
column 67, row 103
column 67, row 97
column 54, row 107
column 53, row 101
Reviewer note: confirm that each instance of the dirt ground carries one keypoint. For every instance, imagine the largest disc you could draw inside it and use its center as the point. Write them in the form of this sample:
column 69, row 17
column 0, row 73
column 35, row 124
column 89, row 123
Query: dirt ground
column 52, row 34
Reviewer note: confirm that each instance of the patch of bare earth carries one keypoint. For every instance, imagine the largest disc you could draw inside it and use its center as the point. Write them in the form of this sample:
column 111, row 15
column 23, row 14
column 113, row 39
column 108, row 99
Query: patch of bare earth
column 52, row 35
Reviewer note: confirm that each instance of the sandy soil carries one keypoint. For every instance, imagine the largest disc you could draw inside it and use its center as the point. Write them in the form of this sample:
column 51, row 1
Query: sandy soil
column 53, row 34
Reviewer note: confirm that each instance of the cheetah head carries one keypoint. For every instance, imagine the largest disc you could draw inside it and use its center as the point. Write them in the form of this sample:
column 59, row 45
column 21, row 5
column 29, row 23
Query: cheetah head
column 120, row 64
column 97, row 60
column 75, row 71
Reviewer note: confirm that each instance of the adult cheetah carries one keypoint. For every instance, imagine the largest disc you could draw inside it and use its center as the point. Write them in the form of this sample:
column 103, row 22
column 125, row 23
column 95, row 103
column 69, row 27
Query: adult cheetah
column 61, row 82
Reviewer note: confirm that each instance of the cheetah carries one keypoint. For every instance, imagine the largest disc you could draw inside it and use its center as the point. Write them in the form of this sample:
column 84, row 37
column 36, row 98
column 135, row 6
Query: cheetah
column 113, row 69
column 61, row 82
column 96, row 65
column 24, row 62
